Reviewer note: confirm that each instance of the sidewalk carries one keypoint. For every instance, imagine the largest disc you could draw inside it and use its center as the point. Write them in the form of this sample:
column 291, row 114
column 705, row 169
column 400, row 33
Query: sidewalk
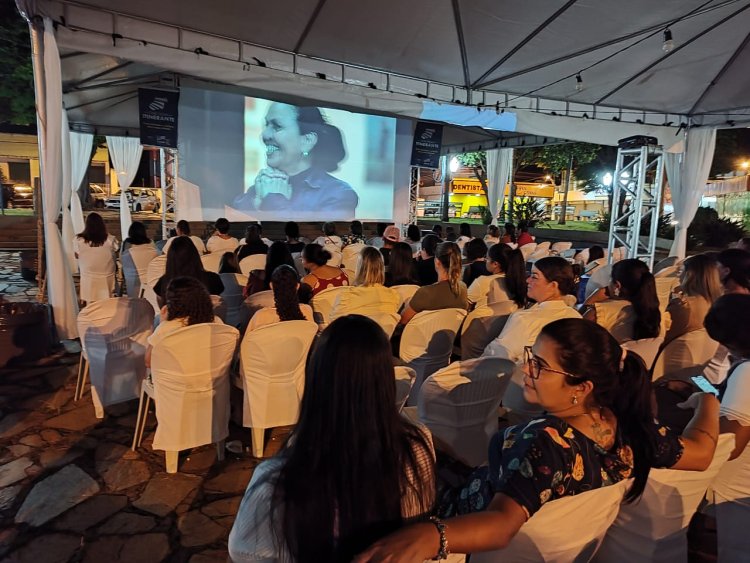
column 12, row 286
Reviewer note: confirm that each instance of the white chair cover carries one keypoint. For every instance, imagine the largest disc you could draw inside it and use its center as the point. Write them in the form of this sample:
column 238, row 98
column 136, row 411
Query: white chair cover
column 297, row 257
column 237, row 315
column 654, row 528
column 211, row 261
column 730, row 493
column 565, row 530
column 387, row 321
column 350, row 255
column 404, row 380
column 113, row 340
column 427, row 343
column 482, row 326
column 599, row 278
column 559, row 247
column 538, row 255
column 322, row 304
column 646, row 348
column 96, row 265
column 155, row 270
column 567, row 254
column 459, row 405
column 685, row 356
column 272, row 364
column 527, row 250
column 664, row 287
column 258, row 301
column 582, row 257
column 543, row 245
column 135, row 261
column 665, row 264
column 190, row 371
column 405, row 292
column 252, row 262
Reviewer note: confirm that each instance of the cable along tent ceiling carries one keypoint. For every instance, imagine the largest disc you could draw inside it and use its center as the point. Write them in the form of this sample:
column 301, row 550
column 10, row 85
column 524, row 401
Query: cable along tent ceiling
column 395, row 58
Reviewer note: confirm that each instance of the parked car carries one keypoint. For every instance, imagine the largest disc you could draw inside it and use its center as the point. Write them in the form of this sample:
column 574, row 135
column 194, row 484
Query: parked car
column 139, row 199
column 98, row 195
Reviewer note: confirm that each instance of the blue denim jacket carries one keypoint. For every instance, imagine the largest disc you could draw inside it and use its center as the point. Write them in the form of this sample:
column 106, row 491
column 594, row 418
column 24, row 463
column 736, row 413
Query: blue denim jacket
column 315, row 195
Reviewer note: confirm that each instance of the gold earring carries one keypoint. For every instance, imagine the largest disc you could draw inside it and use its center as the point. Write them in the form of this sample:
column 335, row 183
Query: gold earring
column 575, row 399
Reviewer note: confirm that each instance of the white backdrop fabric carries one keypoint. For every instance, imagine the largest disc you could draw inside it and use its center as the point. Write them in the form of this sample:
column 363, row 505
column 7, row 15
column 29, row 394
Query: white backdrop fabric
column 687, row 174
column 499, row 166
column 67, row 225
column 126, row 156
column 80, row 156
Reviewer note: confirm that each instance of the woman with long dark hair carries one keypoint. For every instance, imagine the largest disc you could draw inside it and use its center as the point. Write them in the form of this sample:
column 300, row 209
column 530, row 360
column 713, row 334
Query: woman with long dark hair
column 401, row 270
column 632, row 310
column 413, row 238
column 183, row 260
column 352, row 471
column 260, row 280
column 447, row 293
column 137, row 236
column 475, row 266
column 509, row 236
column 284, row 284
column 598, row 430
column 95, row 250
column 506, row 280
column 425, row 262
column 229, row 264
column 734, row 270
column 253, row 243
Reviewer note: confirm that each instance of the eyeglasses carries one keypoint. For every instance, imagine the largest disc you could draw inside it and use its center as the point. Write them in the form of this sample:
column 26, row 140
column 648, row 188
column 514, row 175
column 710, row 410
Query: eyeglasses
column 536, row 367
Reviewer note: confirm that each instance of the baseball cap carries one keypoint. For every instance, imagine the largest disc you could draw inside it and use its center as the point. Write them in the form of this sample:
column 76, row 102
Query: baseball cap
column 392, row 233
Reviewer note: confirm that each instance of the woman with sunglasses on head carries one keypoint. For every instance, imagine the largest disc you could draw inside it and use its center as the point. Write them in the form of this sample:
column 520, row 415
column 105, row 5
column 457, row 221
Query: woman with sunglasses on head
column 597, row 430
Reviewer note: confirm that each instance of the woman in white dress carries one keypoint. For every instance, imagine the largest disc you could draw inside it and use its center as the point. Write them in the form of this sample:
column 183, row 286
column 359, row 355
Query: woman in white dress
column 95, row 250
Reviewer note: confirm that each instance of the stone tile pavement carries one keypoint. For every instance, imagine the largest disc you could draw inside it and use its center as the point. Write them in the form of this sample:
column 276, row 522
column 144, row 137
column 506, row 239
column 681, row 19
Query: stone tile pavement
column 12, row 286
column 72, row 490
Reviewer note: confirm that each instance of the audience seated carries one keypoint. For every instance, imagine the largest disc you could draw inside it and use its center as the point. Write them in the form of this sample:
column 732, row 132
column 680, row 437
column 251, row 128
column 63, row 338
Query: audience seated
column 347, row 475
column 367, row 295
column 550, row 281
column 700, row 286
column 221, row 240
column 187, row 303
column 182, row 229
column 509, row 236
column 320, row 276
column 524, row 237
column 330, row 240
column 629, row 307
column 447, row 293
column 597, row 431
column 136, row 237
column 506, row 277
column 437, row 230
column 95, row 250
column 464, row 235
column 285, row 284
column 595, row 260
column 259, row 280
column 183, row 260
column 229, row 264
column 253, row 243
column 493, row 235
column 413, row 238
column 402, row 269
column 425, row 262
column 391, row 236
column 475, row 251
column 292, row 238
column 355, row 235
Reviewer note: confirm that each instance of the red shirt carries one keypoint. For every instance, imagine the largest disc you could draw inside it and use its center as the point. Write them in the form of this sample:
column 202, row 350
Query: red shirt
column 524, row 238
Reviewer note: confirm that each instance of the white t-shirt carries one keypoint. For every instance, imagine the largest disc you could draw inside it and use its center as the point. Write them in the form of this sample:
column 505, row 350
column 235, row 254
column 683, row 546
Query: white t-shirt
column 221, row 244
column 480, row 288
column 524, row 326
column 200, row 247
column 165, row 328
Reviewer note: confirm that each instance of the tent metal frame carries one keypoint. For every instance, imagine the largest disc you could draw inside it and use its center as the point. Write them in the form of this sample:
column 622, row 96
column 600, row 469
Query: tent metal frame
column 638, row 175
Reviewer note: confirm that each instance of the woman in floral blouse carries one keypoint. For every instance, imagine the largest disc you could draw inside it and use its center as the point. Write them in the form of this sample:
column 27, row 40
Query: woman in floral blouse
column 598, row 429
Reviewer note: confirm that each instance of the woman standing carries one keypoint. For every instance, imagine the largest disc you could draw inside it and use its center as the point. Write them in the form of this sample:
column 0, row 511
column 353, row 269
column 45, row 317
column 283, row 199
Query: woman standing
column 95, row 250
column 346, row 476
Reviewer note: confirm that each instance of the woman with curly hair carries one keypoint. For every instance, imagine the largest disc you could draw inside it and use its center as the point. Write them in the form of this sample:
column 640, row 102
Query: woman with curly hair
column 284, row 284
column 187, row 303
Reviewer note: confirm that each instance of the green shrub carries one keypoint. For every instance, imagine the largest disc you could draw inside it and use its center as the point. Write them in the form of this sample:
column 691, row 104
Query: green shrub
column 708, row 229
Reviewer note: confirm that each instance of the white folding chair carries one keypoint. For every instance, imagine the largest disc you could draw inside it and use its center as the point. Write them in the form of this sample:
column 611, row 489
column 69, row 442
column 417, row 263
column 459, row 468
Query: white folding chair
column 211, row 261
column 190, row 373
column 404, row 380
column 405, row 292
column 538, row 254
column 322, row 304
column 272, row 367
column 559, row 247
column 664, row 287
column 349, row 256
column 258, row 301
column 237, row 315
column 546, row 245
column 155, row 270
column 566, row 530
column 427, row 343
column 684, row 356
column 646, row 348
column 482, row 326
column 252, row 262
column 527, row 250
column 387, row 321
column 459, row 405
column 141, row 256
column 599, row 278
column 654, row 528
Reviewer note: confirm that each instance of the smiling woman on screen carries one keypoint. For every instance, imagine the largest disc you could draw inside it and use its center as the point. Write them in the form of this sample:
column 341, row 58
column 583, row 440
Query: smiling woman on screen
column 301, row 148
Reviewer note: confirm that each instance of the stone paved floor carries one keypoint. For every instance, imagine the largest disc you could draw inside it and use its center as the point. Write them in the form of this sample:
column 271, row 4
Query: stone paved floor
column 72, row 490
column 12, row 286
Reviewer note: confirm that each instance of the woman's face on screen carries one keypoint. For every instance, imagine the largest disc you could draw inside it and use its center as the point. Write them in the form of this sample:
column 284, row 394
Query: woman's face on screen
column 284, row 142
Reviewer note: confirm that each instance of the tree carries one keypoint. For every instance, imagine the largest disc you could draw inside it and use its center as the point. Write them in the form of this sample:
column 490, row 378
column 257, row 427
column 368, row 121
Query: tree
column 477, row 161
column 16, row 73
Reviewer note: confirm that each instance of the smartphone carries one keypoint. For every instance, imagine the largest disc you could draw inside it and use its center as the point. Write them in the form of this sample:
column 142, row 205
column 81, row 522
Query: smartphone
column 704, row 385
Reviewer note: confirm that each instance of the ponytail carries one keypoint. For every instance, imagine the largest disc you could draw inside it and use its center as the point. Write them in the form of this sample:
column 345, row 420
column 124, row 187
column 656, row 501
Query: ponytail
column 514, row 267
column 639, row 287
column 449, row 256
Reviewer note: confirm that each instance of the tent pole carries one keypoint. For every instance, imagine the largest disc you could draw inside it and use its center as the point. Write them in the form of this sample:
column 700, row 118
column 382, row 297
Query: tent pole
column 163, row 184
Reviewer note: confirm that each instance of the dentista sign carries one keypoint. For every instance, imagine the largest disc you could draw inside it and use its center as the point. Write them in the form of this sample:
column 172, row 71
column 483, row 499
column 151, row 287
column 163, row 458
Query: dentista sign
column 523, row 189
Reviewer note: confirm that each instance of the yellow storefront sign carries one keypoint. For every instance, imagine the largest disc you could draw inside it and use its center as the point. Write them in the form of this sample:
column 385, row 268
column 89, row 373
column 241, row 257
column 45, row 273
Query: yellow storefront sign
column 523, row 189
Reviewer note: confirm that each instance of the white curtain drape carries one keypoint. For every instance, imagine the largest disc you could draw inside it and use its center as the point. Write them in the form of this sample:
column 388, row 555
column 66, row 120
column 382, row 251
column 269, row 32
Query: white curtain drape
column 499, row 166
column 80, row 156
column 687, row 174
column 67, row 225
column 60, row 287
column 126, row 156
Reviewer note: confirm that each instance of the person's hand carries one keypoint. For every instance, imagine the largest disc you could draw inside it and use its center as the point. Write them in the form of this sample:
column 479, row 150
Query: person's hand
column 412, row 544
column 694, row 400
column 272, row 181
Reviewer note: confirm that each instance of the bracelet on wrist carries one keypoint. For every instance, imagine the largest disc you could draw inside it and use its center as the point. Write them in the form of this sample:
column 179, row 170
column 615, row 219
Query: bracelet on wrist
column 443, row 550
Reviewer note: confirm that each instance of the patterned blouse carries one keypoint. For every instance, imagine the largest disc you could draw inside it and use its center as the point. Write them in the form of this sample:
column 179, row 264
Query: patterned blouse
column 547, row 459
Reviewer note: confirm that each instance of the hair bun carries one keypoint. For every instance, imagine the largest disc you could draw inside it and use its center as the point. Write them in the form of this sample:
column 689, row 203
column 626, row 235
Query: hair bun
column 326, row 254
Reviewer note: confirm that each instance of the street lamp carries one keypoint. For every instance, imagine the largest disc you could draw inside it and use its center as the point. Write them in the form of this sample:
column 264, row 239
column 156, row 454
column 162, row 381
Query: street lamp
column 607, row 179
column 745, row 165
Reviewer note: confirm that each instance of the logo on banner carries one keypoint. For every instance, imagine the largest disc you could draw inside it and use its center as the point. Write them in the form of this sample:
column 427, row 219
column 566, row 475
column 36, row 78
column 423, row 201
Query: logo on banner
column 428, row 140
column 158, row 117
